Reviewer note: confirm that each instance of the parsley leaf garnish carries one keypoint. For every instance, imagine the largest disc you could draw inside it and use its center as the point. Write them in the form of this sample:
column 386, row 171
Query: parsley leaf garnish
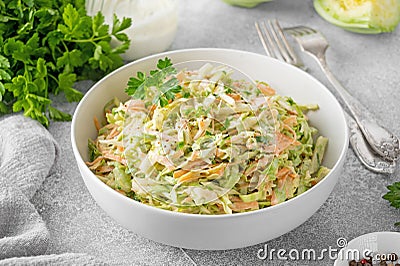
column 163, row 64
column 135, row 88
column 393, row 196
column 139, row 86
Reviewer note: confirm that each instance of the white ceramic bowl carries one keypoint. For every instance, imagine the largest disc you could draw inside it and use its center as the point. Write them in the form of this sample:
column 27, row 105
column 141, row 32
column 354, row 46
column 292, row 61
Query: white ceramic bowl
column 219, row 231
column 378, row 243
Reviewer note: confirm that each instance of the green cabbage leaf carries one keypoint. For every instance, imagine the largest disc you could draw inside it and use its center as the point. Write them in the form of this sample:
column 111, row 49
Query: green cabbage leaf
column 245, row 3
column 361, row 16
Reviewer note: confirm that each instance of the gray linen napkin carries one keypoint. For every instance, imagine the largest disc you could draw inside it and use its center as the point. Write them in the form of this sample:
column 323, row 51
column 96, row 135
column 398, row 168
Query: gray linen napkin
column 27, row 154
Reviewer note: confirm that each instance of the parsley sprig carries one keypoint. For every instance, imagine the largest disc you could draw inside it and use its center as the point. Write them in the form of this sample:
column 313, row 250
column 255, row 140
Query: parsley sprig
column 142, row 86
column 393, row 196
column 46, row 46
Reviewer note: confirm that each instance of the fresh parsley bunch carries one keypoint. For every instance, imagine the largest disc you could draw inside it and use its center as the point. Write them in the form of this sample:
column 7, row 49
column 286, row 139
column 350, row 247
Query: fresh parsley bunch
column 393, row 196
column 47, row 45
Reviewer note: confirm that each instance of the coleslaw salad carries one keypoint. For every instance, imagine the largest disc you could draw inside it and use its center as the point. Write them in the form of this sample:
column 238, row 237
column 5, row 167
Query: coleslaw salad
column 199, row 141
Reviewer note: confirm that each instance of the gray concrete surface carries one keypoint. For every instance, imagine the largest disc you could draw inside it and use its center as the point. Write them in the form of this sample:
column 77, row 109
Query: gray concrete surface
column 367, row 65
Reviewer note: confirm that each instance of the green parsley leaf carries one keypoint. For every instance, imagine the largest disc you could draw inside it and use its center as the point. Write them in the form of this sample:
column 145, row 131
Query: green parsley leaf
column 163, row 101
column 16, row 49
column 58, row 115
column 3, row 108
column 181, row 145
column 4, row 75
column 41, row 68
column 2, row 92
column 4, row 63
column 66, row 81
column 72, row 22
column 393, row 196
column 163, row 64
column 168, row 91
column 119, row 26
column 99, row 28
column 135, row 88
column 69, row 60
column 138, row 87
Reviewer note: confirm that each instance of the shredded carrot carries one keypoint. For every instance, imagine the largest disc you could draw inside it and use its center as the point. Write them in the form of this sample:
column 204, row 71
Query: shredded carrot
column 104, row 169
column 283, row 142
column 121, row 192
column 250, row 169
column 219, row 153
column 241, row 206
column 220, row 207
column 98, row 159
column 290, row 121
column 96, row 123
column 283, row 172
column 294, row 135
column 274, row 199
column 236, row 97
column 153, row 107
column 114, row 132
column 190, row 176
column 195, row 155
column 180, row 76
column 115, row 158
column 110, row 126
column 202, row 124
column 235, row 199
column 136, row 105
column 266, row 89
column 219, row 169
column 179, row 173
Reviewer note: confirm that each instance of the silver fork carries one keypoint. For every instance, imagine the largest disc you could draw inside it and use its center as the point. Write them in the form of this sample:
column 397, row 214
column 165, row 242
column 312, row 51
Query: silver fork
column 275, row 43
column 380, row 139
column 279, row 48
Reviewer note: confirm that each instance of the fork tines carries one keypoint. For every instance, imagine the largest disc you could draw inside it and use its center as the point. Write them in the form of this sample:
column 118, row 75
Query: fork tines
column 300, row 31
column 275, row 43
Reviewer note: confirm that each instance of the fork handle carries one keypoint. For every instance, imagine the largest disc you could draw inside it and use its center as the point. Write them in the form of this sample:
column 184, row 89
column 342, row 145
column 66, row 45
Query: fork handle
column 369, row 158
column 381, row 139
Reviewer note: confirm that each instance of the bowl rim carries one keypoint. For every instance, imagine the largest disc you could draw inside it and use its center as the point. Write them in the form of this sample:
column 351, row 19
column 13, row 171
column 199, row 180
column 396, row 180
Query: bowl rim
column 80, row 160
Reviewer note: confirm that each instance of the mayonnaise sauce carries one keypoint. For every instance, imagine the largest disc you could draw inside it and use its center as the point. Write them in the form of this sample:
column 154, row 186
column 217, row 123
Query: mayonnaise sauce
column 154, row 23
